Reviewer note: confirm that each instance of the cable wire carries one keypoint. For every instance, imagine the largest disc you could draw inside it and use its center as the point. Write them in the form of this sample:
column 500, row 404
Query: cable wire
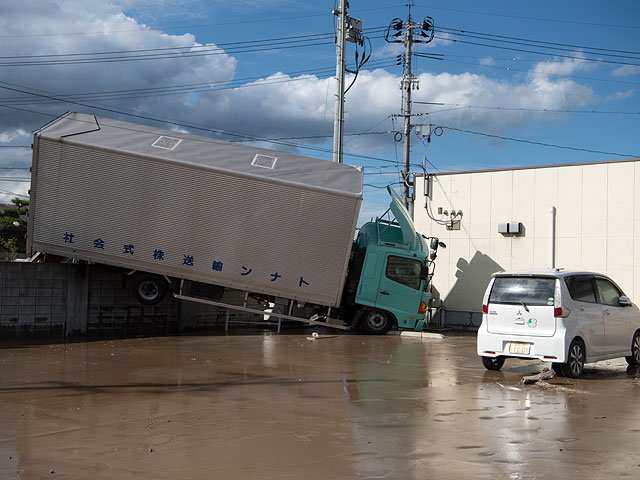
column 532, row 142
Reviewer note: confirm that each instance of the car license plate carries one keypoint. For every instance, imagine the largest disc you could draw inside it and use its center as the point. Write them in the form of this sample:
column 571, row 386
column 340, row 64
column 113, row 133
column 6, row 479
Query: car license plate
column 519, row 348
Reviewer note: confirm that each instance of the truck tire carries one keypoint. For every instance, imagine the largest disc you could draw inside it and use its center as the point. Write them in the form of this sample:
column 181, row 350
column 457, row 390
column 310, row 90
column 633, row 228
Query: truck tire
column 148, row 289
column 376, row 322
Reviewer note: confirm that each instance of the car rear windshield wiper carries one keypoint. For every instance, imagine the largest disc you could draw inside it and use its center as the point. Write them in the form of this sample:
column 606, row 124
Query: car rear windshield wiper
column 525, row 306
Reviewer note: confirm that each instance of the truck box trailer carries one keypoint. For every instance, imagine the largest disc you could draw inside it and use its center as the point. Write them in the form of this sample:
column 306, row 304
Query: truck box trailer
column 183, row 207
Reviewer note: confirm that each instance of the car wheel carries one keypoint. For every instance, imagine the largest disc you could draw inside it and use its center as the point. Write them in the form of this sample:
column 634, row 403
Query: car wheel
column 634, row 358
column 493, row 363
column 574, row 365
column 149, row 289
column 376, row 322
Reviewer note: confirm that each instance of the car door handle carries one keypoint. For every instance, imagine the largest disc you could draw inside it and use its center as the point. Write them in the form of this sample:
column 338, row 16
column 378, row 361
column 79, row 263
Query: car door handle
column 606, row 312
column 384, row 293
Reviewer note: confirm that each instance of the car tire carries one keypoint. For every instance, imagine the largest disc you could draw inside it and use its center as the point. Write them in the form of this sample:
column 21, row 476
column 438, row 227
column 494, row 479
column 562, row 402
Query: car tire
column 634, row 358
column 574, row 366
column 376, row 322
column 493, row 363
column 148, row 289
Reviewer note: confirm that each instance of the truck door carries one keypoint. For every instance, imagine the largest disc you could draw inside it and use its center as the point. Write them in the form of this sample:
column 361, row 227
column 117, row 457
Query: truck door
column 399, row 289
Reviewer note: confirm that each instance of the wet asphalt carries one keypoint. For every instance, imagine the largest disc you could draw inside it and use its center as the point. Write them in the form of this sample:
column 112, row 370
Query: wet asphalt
column 269, row 406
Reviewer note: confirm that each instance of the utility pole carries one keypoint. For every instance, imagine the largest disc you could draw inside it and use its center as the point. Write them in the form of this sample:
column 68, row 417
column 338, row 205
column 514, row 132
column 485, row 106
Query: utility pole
column 406, row 32
column 338, row 117
column 409, row 81
column 348, row 30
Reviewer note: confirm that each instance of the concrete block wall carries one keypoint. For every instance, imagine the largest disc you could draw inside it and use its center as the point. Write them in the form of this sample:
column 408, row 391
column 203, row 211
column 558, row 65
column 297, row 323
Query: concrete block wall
column 34, row 302
column 49, row 302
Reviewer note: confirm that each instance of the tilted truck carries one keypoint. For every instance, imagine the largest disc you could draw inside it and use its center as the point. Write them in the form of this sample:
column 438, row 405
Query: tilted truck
column 195, row 216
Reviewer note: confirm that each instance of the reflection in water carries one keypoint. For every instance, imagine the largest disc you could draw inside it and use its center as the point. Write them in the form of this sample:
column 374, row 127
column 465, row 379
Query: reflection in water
column 347, row 407
column 386, row 398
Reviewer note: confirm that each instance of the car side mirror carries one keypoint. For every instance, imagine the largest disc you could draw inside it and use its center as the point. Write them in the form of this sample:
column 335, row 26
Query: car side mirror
column 624, row 301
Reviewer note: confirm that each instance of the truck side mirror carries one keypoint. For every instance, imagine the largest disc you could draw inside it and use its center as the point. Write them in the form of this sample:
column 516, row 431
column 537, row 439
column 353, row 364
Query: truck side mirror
column 434, row 243
column 433, row 255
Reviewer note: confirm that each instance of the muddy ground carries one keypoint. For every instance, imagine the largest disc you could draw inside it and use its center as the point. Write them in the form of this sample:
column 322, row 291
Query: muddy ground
column 285, row 407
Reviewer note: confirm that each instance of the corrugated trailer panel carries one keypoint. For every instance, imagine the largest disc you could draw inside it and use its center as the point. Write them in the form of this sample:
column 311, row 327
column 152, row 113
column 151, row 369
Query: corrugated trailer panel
column 239, row 229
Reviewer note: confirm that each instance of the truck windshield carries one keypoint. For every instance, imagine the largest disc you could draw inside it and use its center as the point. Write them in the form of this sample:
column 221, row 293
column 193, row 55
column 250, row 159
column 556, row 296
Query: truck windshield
column 516, row 290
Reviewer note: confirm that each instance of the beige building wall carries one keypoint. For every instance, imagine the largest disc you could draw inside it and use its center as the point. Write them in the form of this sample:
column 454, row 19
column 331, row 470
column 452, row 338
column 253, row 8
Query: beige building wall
column 597, row 225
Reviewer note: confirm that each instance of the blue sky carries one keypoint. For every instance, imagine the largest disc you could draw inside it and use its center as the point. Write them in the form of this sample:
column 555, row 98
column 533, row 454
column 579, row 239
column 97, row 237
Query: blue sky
column 489, row 93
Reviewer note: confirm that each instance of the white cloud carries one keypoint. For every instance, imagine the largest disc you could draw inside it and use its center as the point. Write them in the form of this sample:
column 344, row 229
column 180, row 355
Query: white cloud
column 487, row 61
column 276, row 106
column 86, row 18
column 19, row 134
column 619, row 95
column 626, row 70
column 567, row 66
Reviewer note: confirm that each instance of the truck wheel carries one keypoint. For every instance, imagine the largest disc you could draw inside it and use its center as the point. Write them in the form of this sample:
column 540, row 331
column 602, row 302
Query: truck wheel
column 149, row 289
column 376, row 322
column 493, row 363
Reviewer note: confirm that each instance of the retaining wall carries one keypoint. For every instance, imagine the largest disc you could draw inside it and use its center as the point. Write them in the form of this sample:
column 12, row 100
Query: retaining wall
column 51, row 302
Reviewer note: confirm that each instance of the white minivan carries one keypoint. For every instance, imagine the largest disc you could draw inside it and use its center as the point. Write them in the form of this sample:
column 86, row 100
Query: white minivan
column 565, row 317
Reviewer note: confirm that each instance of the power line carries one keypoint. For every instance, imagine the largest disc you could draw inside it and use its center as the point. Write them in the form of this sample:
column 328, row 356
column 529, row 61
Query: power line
column 180, row 27
column 190, row 88
column 511, row 69
column 161, row 56
column 186, row 125
column 529, row 18
column 14, row 193
column 528, row 40
column 522, row 109
column 531, row 142
column 586, row 59
column 188, row 48
column 163, row 53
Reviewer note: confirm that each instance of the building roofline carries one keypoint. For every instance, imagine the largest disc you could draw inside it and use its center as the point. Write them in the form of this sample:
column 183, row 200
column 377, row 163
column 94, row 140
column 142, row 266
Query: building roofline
column 531, row 167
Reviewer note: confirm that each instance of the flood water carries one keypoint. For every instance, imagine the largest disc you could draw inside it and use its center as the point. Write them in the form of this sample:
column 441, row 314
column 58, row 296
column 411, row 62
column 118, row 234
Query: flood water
column 286, row 407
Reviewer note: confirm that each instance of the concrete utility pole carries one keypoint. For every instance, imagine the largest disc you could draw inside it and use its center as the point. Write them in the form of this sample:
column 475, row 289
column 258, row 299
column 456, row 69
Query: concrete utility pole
column 406, row 32
column 408, row 82
column 338, row 119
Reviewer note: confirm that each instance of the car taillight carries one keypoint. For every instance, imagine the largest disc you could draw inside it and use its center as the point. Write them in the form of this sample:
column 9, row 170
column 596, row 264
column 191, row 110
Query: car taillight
column 559, row 311
column 423, row 307
column 485, row 299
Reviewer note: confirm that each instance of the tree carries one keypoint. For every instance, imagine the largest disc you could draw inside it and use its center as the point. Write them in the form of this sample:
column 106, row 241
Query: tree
column 13, row 228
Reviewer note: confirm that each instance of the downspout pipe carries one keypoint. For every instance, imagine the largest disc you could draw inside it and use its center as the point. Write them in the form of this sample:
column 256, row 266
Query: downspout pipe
column 553, row 236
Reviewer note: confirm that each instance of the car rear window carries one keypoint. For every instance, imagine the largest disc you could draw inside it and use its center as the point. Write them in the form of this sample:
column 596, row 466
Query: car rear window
column 530, row 290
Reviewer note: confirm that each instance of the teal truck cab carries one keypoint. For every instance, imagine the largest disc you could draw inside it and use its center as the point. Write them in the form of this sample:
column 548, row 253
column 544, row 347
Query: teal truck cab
column 390, row 272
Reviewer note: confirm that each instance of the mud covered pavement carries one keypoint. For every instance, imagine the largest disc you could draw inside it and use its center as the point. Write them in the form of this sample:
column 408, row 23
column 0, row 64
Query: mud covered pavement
column 285, row 407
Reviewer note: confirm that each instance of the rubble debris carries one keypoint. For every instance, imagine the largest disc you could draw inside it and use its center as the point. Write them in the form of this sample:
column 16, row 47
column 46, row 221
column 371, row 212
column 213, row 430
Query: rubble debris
column 546, row 374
